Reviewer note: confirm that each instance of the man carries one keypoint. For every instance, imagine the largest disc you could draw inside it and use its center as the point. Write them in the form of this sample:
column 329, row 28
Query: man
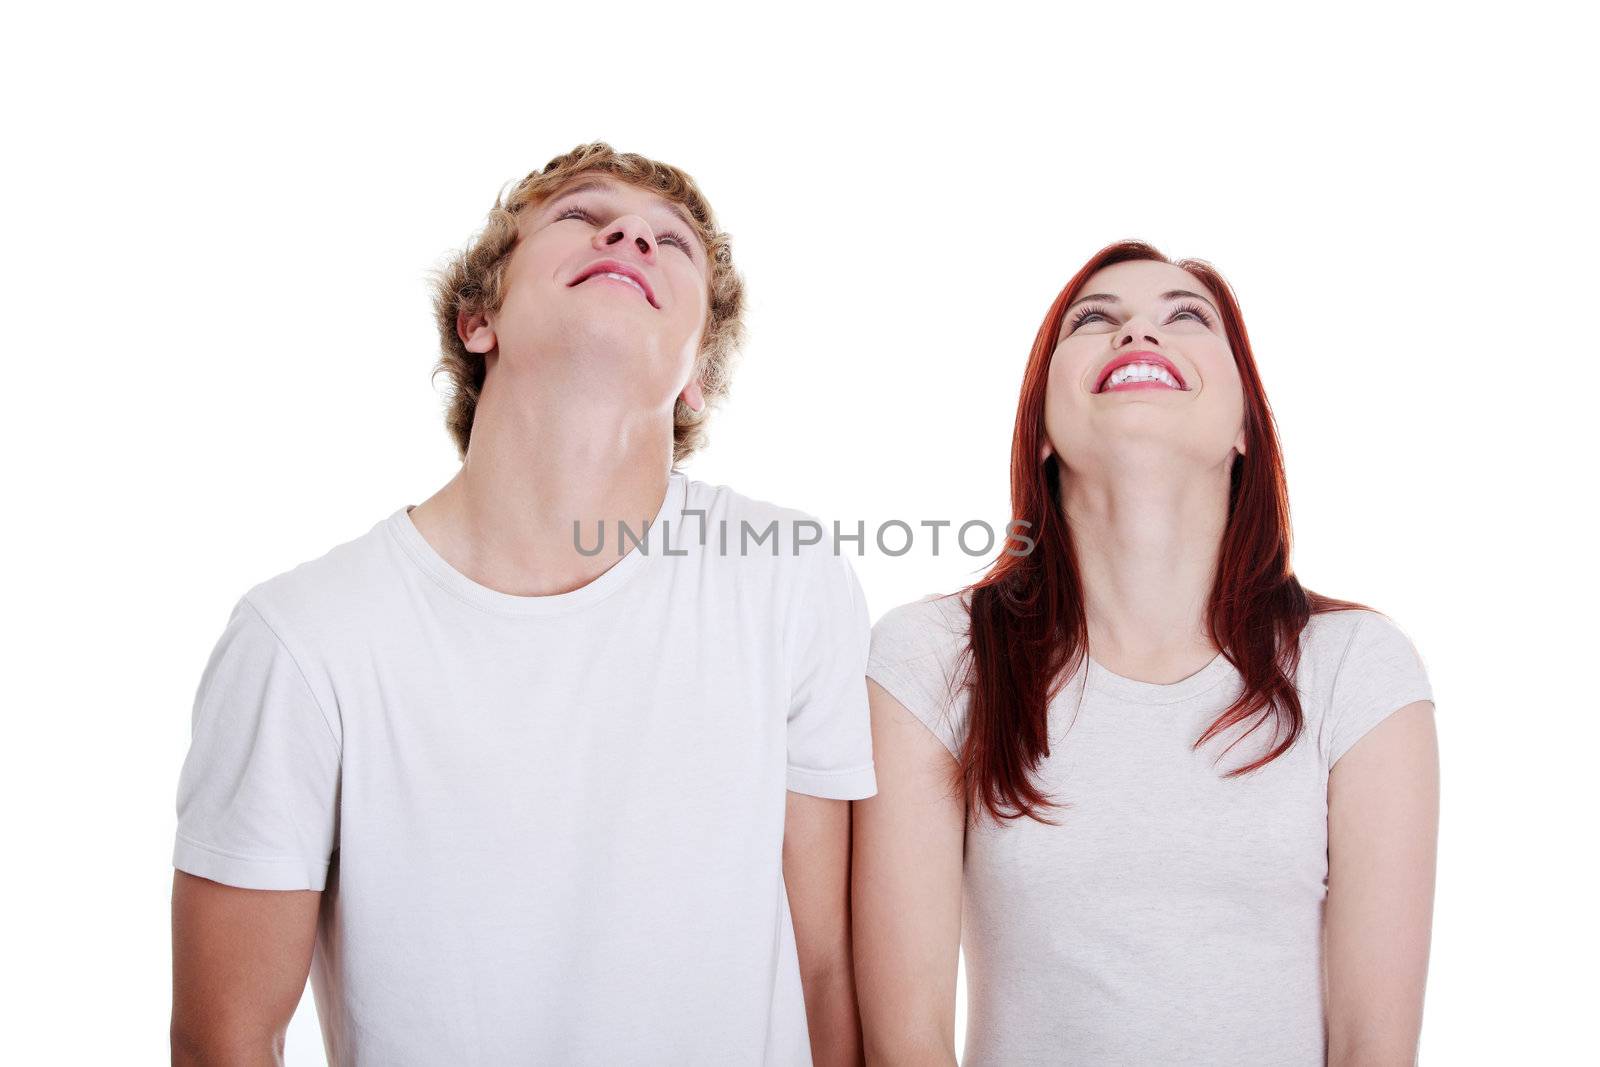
column 510, row 797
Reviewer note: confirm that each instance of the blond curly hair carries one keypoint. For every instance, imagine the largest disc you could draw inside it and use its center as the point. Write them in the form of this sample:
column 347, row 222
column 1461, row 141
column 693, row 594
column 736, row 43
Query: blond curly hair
column 472, row 281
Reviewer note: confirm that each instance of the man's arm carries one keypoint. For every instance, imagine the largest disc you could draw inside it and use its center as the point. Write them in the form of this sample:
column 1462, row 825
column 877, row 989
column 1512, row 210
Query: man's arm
column 816, row 871
column 1383, row 826
column 239, row 963
column 909, row 841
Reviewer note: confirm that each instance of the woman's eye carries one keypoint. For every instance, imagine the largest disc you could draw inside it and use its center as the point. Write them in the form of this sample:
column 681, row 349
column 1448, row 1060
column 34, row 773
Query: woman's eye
column 575, row 213
column 1193, row 313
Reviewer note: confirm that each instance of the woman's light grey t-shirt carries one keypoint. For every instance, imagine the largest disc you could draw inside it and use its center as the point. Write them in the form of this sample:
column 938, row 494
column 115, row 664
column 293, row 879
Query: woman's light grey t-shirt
column 1173, row 915
column 549, row 829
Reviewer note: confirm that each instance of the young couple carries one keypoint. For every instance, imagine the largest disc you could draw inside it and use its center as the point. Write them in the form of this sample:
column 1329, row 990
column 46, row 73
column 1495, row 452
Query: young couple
column 509, row 800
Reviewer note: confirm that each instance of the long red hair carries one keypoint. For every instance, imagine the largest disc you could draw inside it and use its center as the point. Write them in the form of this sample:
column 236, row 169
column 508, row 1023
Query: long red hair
column 1028, row 630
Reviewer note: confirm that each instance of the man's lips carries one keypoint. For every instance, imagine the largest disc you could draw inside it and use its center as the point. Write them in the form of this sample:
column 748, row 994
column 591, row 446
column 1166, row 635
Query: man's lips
column 612, row 266
column 1154, row 358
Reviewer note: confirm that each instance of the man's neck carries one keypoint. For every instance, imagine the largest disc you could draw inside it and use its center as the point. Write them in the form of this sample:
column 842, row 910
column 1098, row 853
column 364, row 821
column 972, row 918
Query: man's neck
column 533, row 468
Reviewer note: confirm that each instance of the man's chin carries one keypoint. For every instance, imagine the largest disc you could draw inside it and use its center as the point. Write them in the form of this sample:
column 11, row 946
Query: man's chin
column 611, row 349
column 615, row 334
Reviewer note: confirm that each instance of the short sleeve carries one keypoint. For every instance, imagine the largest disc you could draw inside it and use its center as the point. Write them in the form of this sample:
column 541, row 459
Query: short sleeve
column 915, row 657
column 258, row 793
column 830, row 728
column 1379, row 673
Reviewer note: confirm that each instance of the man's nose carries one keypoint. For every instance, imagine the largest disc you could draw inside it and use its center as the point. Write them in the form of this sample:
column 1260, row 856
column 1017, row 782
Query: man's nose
column 631, row 231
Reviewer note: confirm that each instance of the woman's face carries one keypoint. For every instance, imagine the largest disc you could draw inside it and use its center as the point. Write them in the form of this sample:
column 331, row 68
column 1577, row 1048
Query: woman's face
column 1182, row 408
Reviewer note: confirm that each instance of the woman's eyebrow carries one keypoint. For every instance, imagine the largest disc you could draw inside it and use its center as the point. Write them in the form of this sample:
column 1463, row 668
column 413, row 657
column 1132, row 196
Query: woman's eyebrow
column 1175, row 294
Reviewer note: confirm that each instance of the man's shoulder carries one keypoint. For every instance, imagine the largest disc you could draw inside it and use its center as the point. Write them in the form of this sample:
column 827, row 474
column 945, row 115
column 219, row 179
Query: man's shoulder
column 787, row 553
column 329, row 588
column 762, row 527
column 716, row 499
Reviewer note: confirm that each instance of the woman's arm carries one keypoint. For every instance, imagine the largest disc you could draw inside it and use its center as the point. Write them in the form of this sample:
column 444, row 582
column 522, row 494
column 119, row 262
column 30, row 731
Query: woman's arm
column 1383, row 828
column 906, row 892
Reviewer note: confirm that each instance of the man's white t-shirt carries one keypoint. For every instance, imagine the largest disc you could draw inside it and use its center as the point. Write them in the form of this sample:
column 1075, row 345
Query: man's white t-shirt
column 1171, row 915
column 548, row 829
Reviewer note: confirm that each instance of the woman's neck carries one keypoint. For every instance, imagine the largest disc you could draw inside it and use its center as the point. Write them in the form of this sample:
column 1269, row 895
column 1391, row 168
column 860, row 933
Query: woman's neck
column 1147, row 545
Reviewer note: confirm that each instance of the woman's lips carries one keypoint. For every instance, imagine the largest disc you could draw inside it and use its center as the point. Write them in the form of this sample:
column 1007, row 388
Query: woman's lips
column 1127, row 387
column 1144, row 356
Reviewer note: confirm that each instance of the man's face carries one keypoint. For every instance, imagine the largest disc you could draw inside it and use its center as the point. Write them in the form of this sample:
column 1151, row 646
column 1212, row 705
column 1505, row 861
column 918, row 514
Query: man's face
column 609, row 285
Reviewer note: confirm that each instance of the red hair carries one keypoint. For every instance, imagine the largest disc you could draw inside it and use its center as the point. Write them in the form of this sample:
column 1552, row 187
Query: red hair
column 1028, row 631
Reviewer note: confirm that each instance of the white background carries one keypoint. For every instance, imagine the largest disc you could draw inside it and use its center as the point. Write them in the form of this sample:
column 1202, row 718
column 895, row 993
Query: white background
column 218, row 224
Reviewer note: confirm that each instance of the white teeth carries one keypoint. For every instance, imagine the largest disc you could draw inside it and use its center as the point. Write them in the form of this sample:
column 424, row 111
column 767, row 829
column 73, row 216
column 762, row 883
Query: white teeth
column 1141, row 372
column 624, row 278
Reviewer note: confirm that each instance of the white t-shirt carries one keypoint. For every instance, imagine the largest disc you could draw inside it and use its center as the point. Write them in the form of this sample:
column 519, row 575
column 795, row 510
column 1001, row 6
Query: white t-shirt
column 549, row 829
column 1173, row 916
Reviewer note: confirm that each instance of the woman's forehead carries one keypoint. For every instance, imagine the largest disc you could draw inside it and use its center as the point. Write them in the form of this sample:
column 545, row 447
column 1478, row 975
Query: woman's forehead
column 1144, row 277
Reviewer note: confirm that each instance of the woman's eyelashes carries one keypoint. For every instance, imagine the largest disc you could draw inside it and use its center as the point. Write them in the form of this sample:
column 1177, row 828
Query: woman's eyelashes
column 1194, row 311
column 1090, row 312
column 671, row 237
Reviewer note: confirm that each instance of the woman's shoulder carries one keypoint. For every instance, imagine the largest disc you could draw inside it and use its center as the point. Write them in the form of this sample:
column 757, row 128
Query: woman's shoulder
column 1357, row 667
column 917, row 656
column 935, row 625
column 1331, row 638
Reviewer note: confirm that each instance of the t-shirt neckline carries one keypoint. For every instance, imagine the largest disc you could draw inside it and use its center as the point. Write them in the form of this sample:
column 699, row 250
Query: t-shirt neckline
column 613, row 578
column 1101, row 680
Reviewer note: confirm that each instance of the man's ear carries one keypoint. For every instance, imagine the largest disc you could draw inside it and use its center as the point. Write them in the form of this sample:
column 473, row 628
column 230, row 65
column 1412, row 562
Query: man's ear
column 475, row 332
column 692, row 396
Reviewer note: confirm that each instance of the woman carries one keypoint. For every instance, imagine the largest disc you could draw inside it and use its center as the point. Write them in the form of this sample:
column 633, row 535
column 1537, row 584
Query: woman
column 1139, row 771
